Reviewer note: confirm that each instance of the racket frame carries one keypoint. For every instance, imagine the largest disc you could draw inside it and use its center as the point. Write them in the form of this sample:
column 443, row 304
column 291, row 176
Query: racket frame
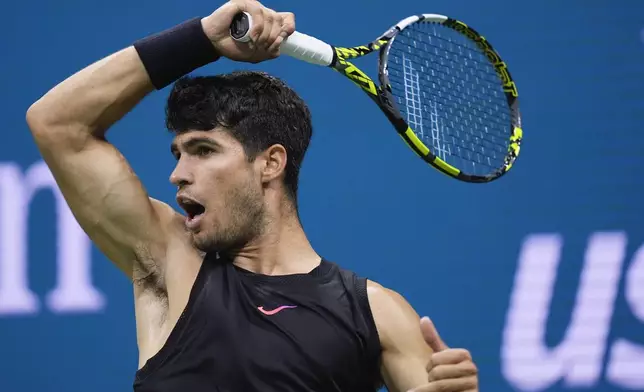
column 312, row 50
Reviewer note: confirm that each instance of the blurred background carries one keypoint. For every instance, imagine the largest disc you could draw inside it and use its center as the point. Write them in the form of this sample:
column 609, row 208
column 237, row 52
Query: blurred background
column 540, row 274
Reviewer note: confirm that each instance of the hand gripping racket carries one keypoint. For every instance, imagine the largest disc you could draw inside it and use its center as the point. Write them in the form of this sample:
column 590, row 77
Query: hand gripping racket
column 442, row 86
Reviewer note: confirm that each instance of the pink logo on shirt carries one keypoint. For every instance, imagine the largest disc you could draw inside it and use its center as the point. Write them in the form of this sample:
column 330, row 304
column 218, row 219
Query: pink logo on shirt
column 276, row 310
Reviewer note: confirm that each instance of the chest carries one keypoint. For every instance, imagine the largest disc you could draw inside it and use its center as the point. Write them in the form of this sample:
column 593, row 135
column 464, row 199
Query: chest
column 238, row 335
column 295, row 329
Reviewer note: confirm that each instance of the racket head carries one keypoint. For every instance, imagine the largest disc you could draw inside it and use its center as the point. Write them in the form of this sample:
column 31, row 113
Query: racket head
column 451, row 97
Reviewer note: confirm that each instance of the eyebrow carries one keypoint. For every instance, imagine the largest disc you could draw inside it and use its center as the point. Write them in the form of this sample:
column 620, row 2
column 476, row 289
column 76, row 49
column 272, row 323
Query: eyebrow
column 193, row 142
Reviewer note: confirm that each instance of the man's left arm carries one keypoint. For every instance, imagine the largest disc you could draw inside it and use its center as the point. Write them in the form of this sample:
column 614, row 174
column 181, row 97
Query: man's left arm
column 414, row 358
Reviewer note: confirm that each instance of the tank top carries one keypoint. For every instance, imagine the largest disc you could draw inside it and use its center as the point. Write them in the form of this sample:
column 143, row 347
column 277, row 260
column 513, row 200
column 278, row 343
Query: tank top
column 247, row 332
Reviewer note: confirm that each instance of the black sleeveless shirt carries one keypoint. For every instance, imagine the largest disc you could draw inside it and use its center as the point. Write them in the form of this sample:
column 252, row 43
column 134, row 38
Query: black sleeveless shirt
column 245, row 332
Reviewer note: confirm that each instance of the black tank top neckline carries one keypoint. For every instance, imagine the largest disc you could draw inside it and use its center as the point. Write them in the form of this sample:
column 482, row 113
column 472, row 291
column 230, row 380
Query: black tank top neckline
column 320, row 273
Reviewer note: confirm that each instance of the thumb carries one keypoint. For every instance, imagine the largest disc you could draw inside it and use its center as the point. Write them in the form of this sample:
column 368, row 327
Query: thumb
column 431, row 336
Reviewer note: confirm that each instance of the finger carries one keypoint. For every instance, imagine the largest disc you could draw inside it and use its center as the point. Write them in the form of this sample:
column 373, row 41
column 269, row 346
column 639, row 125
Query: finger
column 274, row 49
column 452, row 384
column 263, row 39
column 256, row 12
column 276, row 30
column 450, row 357
column 288, row 23
column 442, row 372
column 431, row 335
column 287, row 28
column 244, row 4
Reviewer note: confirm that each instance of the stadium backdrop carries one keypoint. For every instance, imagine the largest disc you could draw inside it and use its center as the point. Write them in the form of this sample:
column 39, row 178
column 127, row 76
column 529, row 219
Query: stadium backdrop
column 540, row 275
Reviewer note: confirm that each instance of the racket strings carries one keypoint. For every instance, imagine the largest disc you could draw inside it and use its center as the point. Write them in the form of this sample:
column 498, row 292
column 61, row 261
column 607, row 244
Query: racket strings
column 454, row 105
column 450, row 95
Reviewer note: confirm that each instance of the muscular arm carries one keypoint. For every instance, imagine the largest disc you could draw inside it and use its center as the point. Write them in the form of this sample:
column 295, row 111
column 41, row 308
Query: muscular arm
column 404, row 352
column 69, row 125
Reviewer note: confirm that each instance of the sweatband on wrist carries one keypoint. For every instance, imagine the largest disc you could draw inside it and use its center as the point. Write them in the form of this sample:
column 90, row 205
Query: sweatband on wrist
column 175, row 52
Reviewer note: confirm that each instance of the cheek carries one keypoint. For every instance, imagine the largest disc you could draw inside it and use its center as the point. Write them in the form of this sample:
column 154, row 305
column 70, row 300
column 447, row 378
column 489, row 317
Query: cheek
column 223, row 179
column 222, row 192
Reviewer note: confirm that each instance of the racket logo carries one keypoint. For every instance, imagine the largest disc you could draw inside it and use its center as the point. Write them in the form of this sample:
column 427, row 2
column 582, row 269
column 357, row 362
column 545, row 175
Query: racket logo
column 464, row 29
column 348, row 53
column 501, row 68
column 358, row 77
column 381, row 42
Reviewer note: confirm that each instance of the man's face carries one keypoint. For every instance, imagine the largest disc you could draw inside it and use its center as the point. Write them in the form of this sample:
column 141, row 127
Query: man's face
column 218, row 188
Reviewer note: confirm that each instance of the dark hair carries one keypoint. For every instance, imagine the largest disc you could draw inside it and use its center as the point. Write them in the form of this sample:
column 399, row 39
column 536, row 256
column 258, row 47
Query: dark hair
column 257, row 109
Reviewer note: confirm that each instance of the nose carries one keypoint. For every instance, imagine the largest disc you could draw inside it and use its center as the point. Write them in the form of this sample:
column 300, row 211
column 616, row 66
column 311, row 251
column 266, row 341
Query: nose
column 181, row 175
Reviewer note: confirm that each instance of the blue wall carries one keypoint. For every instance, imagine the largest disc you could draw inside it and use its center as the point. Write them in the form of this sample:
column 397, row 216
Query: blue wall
column 538, row 274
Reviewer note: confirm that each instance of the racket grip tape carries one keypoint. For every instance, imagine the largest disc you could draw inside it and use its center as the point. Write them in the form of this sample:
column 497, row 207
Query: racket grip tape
column 298, row 45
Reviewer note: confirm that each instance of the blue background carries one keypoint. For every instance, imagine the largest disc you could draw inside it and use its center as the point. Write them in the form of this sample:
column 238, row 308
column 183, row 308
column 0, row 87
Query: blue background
column 367, row 203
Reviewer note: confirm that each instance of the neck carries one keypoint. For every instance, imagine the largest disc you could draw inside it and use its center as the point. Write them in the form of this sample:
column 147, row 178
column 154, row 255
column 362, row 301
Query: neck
column 281, row 249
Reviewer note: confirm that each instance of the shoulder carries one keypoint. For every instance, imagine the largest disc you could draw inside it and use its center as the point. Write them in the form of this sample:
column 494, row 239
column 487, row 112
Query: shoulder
column 384, row 300
column 396, row 321
column 393, row 315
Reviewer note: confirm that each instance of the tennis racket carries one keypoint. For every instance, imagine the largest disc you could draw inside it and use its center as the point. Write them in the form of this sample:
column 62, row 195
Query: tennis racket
column 442, row 86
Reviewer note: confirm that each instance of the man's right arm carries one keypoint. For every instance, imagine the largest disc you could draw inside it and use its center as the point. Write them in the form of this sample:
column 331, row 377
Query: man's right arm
column 69, row 125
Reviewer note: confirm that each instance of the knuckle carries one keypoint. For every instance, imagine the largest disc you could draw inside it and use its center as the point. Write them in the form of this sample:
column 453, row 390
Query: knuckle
column 259, row 11
column 288, row 17
column 288, row 20
column 251, row 6
column 278, row 18
column 463, row 354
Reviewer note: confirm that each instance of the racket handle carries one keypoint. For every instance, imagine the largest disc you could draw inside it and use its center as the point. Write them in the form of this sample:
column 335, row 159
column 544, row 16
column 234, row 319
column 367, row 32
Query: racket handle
column 297, row 45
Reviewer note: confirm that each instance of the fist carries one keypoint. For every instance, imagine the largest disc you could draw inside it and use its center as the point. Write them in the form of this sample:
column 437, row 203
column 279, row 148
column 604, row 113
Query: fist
column 269, row 29
column 449, row 369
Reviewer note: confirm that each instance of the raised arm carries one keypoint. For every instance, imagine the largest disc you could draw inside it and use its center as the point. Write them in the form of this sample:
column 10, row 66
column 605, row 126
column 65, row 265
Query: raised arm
column 70, row 122
column 105, row 196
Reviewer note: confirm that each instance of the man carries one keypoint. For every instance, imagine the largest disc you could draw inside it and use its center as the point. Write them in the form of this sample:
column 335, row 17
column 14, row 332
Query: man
column 231, row 296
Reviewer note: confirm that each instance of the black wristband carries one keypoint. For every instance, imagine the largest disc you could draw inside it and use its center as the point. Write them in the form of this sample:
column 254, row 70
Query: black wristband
column 175, row 52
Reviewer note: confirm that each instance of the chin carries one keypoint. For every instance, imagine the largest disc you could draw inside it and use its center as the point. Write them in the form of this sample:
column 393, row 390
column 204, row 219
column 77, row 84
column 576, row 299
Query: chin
column 203, row 242
column 207, row 242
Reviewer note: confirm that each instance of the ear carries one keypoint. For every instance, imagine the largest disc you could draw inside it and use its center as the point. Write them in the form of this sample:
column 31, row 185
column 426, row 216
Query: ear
column 273, row 163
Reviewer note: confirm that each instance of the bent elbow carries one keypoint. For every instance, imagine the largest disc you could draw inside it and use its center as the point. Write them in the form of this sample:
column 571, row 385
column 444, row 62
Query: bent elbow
column 42, row 121
column 52, row 132
column 35, row 117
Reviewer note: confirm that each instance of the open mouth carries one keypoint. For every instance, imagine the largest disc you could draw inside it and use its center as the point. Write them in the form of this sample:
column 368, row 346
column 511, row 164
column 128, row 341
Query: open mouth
column 192, row 208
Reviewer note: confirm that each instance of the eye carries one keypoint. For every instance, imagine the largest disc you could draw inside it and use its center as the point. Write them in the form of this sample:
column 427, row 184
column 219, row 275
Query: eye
column 203, row 151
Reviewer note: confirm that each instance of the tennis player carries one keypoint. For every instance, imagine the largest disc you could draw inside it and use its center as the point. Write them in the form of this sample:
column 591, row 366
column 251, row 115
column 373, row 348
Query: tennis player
column 229, row 296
